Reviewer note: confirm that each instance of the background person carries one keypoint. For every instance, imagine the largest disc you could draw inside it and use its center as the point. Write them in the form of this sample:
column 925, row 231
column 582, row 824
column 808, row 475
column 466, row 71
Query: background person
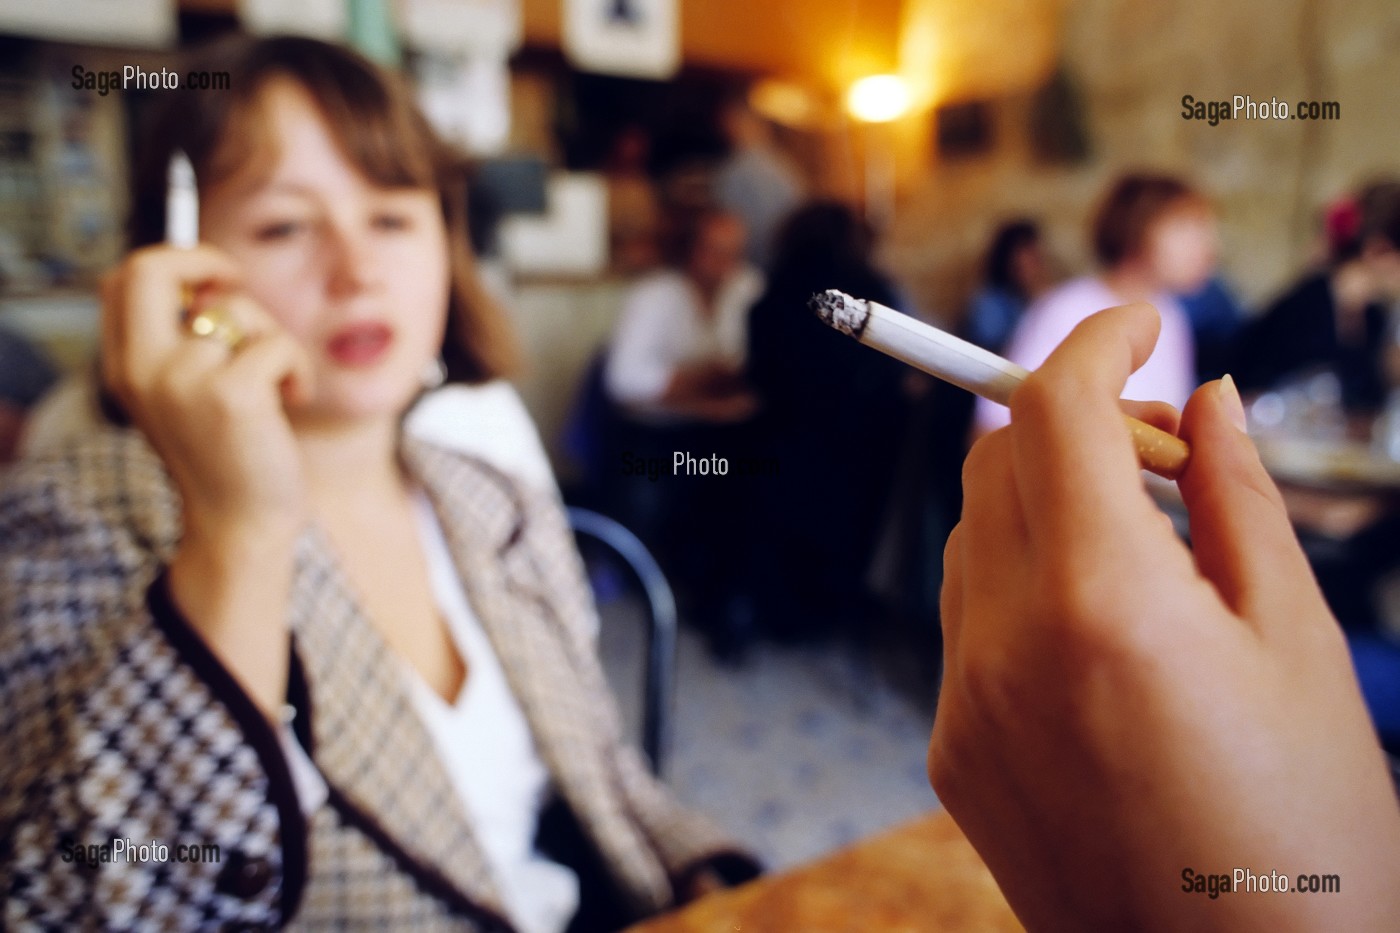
column 1154, row 237
column 756, row 181
column 1336, row 318
column 811, row 549
column 1016, row 274
column 1216, row 317
column 674, row 371
column 677, row 351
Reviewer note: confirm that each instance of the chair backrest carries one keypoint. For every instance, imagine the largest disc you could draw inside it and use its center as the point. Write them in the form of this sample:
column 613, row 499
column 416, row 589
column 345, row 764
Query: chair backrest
column 658, row 686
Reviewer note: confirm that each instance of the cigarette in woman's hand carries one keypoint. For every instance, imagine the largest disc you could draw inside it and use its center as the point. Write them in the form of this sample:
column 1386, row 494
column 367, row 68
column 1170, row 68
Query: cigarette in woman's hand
column 181, row 203
column 970, row 367
column 182, row 217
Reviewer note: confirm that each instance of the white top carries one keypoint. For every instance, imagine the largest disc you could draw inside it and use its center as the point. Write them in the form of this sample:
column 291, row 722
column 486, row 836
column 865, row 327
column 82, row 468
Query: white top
column 489, row 754
column 663, row 327
column 486, row 748
column 1169, row 375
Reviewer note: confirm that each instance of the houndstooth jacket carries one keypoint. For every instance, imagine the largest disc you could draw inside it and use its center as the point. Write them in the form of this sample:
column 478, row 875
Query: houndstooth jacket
column 120, row 724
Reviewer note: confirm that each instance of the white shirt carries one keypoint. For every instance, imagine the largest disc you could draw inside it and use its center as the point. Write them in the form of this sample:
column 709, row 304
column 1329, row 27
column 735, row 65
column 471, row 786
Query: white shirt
column 489, row 753
column 487, row 750
column 663, row 327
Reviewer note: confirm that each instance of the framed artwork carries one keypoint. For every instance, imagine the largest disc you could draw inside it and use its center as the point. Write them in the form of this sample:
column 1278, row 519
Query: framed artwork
column 632, row 38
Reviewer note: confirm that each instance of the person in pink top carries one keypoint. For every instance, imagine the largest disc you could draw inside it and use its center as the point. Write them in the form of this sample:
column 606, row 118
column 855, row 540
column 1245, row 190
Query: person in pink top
column 1154, row 238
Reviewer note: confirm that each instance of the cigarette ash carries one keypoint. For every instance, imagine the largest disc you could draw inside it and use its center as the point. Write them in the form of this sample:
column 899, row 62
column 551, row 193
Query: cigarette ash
column 841, row 311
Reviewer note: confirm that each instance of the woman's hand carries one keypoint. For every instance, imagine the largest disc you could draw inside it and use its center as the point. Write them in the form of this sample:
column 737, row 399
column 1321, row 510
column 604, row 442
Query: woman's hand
column 215, row 415
column 1117, row 709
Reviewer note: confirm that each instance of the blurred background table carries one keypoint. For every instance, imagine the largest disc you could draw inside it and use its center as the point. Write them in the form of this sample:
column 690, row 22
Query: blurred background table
column 921, row 876
column 1329, row 465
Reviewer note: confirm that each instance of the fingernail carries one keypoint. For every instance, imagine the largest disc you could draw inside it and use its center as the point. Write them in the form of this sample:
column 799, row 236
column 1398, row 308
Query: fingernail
column 1230, row 398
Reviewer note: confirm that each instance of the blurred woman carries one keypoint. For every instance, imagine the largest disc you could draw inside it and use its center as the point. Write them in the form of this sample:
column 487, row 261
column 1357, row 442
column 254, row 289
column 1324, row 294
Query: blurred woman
column 358, row 665
column 1016, row 274
column 1154, row 237
column 1336, row 318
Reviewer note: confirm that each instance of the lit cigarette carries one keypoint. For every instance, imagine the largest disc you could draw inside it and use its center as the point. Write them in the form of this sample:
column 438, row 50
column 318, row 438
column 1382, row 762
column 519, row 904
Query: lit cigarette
column 968, row 366
column 181, row 203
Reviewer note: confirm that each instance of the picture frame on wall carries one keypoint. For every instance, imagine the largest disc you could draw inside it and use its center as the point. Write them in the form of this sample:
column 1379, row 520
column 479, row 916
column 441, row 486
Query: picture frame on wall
column 629, row 38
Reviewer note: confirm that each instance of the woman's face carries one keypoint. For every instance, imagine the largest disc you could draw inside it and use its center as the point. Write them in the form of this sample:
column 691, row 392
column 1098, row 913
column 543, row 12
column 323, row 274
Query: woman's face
column 1029, row 269
column 1182, row 247
column 358, row 274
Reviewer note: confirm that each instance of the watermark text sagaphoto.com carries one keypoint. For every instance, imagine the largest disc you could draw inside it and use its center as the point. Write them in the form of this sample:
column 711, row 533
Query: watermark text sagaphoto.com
column 1244, row 107
column 1247, row 881
column 127, row 850
column 136, row 78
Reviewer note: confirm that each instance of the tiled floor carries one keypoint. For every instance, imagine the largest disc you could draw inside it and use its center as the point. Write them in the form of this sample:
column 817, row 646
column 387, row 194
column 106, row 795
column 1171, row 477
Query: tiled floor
column 797, row 752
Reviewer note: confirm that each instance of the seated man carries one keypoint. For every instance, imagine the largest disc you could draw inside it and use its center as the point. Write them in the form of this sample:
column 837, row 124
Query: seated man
column 674, row 368
column 677, row 352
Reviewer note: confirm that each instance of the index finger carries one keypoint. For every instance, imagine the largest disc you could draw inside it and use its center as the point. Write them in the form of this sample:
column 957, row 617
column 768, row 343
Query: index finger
column 1075, row 465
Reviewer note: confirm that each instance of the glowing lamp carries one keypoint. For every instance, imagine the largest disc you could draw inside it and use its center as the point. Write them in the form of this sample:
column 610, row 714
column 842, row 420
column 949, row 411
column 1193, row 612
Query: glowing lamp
column 878, row 99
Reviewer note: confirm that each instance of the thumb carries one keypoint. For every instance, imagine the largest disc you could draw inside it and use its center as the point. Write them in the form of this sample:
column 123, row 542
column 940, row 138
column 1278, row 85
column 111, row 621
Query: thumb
column 1241, row 537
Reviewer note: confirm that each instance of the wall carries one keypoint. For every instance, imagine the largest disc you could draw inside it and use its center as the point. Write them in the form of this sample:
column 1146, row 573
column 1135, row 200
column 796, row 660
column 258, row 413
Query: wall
column 1132, row 62
column 951, row 49
column 562, row 326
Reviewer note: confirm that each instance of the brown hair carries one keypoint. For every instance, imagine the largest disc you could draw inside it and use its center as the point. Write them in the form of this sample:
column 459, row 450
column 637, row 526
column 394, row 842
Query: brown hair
column 371, row 116
column 1132, row 206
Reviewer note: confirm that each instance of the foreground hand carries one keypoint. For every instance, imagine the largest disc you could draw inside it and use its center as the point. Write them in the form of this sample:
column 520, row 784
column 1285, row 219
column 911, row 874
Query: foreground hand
column 1117, row 708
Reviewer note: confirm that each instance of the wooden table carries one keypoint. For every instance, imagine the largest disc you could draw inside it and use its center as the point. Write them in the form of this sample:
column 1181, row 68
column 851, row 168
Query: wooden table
column 921, row 876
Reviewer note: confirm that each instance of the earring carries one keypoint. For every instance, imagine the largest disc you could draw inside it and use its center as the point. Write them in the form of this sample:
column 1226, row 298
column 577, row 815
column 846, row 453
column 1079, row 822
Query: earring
column 434, row 374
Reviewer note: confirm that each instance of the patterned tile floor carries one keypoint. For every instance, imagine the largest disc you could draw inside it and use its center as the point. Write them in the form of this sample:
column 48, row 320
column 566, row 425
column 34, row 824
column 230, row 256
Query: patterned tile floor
column 797, row 752
column 801, row 750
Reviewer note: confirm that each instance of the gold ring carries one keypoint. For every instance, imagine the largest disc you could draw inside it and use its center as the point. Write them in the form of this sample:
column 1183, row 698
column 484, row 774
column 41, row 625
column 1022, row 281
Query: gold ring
column 216, row 323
